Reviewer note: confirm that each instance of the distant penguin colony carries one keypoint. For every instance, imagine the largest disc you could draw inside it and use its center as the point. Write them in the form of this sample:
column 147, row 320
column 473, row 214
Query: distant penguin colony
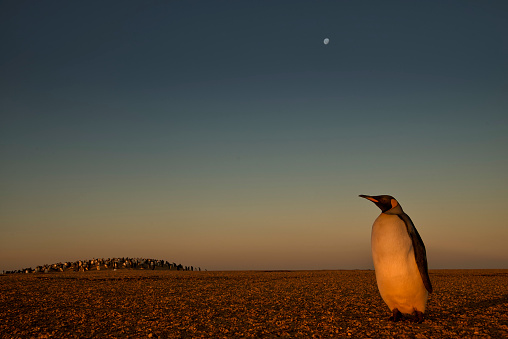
column 400, row 260
column 106, row 264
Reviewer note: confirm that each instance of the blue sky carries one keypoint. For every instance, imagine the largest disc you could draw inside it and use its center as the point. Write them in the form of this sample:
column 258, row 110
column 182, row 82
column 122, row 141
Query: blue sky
column 226, row 135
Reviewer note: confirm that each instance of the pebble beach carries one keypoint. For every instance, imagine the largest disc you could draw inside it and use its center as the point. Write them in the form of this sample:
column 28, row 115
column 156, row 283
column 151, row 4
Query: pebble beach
column 253, row 304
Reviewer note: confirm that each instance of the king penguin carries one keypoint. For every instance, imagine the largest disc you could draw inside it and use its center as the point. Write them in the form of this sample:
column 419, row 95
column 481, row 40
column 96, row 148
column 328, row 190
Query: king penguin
column 400, row 260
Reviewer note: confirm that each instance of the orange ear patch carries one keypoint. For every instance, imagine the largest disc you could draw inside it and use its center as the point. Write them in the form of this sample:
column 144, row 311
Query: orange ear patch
column 371, row 199
column 394, row 203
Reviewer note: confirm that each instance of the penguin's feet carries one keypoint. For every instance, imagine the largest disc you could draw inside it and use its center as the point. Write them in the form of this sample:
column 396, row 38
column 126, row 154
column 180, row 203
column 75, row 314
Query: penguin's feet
column 417, row 316
column 396, row 315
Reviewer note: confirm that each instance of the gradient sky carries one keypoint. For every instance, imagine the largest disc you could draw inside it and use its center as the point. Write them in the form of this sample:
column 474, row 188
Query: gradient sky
column 226, row 135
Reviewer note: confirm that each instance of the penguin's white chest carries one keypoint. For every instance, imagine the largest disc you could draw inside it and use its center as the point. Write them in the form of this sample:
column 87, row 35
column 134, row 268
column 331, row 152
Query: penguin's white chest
column 397, row 274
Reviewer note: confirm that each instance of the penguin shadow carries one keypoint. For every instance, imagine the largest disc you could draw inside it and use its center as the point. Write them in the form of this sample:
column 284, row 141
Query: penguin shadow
column 472, row 307
column 488, row 302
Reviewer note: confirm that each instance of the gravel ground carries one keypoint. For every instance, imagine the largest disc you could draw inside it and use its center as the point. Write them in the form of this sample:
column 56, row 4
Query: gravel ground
column 173, row 304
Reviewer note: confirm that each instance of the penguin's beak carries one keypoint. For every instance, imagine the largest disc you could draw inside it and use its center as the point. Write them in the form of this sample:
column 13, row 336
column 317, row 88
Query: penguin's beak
column 368, row 197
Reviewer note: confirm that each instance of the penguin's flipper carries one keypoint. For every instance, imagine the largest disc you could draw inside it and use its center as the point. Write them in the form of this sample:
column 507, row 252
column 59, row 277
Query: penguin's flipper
column 419, row 250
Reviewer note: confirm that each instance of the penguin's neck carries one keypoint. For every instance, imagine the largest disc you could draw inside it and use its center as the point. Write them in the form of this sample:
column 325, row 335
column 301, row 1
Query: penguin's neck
column 395, row 211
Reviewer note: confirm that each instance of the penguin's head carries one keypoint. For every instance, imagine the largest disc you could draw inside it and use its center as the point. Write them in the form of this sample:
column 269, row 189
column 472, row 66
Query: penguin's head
column 384, row 202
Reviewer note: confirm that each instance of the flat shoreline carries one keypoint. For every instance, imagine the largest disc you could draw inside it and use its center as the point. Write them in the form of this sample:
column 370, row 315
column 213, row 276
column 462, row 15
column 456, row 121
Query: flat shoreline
column 272, row 303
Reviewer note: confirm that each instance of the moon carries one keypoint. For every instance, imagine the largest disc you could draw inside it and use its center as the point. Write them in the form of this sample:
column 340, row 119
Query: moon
column 326, row 41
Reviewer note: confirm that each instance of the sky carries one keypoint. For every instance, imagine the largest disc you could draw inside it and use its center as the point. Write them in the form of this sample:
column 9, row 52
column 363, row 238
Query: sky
column 226, row 135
